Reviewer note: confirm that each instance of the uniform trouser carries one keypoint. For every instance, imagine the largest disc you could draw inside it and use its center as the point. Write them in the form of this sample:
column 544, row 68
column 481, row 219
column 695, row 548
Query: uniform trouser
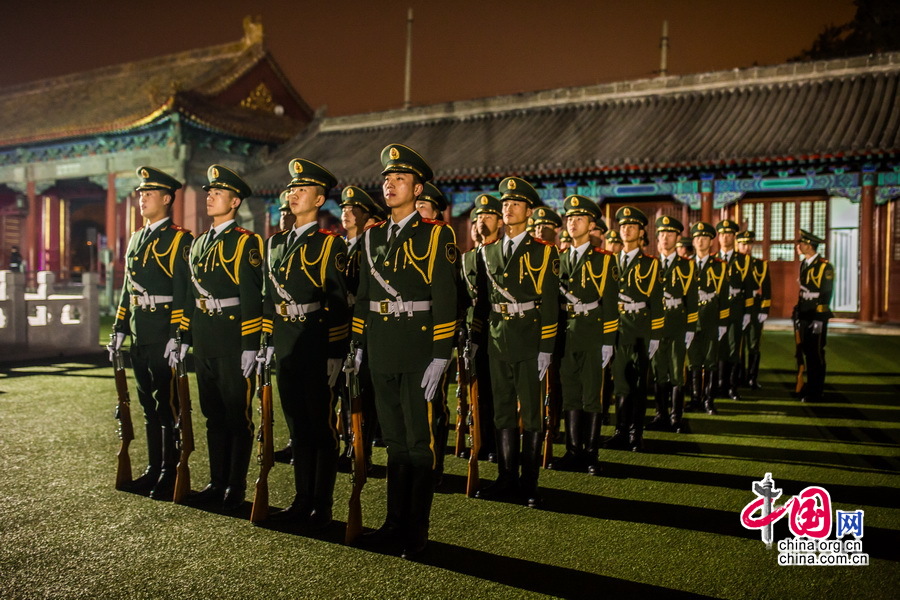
column 407, row 419
column 704, row 349
column 581, row 374
column 516, row 388
column 753, row 335
column 730, row 347
column 668, row 362
column 630, row 367
column 155, row 384
column 226, row 398
column 307, row 401
column 813, row 347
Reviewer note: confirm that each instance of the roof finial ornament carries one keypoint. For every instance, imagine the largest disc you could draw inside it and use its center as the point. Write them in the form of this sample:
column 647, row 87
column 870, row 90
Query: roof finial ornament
column 253, row 30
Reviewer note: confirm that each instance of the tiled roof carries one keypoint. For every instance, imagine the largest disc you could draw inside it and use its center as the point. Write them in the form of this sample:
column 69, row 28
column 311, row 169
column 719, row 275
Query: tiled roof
column 124, row 96
column 797, row 111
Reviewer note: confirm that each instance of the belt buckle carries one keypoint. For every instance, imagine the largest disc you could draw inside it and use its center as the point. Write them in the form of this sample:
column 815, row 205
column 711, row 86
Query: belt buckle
column 384, row 307
column 504, row 310
column 570, row 309
column 134, row 300
column 203, row 305
column 282, row 309
column 621, row 307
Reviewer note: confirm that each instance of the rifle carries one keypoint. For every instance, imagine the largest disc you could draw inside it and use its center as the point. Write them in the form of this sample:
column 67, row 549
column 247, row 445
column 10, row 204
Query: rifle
column 123, row 414
column 474, row 418
column 358, row 474
column 798, row 354
column 462, row 393
column 551, row 417
column 185, row 428
column 266, row 453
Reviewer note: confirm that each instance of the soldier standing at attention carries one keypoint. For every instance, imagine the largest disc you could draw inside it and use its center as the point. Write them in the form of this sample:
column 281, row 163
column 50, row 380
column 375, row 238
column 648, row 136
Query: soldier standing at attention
column 613, row 242
column 305, row 308
column 679, row 283
column 285, row 222
column 523, row 289
column 153, row 301
column 813, row 311
column 546, row 224
column 588, row 284
column 404, row 319
column 712, row 319
column 737, row 292
column 759, row 312
column 640, row 328
column 226, row 278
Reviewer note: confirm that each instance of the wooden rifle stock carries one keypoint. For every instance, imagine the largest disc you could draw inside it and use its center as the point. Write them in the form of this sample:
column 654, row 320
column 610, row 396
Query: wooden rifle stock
column 358, row 475
column 123, row 414
column 266, row 453
column 185, row 428
column 462, row 401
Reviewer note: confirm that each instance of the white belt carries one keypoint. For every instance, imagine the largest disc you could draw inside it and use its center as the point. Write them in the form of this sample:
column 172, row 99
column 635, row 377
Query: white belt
column 580, row 308
column 146, row 301
column 212, row 305
column 733, row 291
column 389, row 307
column 630, row 307
column 672, row 302
column 809, row 295
column 508, row 309
column 705, row 297
column 297, row 311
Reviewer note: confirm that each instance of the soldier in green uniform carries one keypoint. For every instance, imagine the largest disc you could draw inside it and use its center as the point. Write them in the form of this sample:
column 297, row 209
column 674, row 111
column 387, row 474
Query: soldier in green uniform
column 522, row 287
column 546, row 223
column 613, row 242
column 405, row 319
column 226, row 279
column 305, row 309
column 432, row 203
column 759, row 312
column 153, row 300
column 285, row 222
column 813, row 311
column 565, row 241
column 679, row 283
column 737, row 293
column 684, row 248
column 712, row 319
column 641, row 320
column 588, row 286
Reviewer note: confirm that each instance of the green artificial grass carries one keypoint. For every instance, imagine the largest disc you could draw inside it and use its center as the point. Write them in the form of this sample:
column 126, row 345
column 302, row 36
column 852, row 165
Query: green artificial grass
column 663, row 523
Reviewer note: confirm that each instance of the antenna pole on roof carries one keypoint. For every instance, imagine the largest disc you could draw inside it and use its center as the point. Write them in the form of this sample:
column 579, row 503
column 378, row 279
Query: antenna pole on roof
column 409, row 24
column 664, row 51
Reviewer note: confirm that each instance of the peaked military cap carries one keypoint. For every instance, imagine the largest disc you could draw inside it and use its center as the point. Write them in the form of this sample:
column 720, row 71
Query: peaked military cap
column 397, row 158
column 704, row 229
column 544, row 215
column 224, row 178
column 284, row 205
column 581, row 205
column 629, row 215
column 564, row 236
column 667, row 223
column 354, row 196
column 727, row 226
column 745, row 237
column 435, row 196
column 613, row 236
column 684, row 243
column 306, row 172
column 485, row 203
column 601, row 224
column 515, row 188
column 154, row 179
column 810, row 238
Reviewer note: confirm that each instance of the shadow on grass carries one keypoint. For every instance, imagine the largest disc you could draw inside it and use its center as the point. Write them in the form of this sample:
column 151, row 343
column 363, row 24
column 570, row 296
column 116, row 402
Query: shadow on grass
column 736, row 427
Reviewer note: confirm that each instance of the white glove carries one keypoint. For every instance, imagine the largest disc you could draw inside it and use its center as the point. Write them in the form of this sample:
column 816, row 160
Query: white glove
column 607, row 353
column 543, row 364
column 722, row 330
column 651, row 350
column 175, row 356
column 333, row 369
column 815, row 327
column 248, row 362
column 433, row 377
column 115, row 345
column 474, row 351
column 357, row 363
column 746, row 322
column 762, row 317
column 266, row 360
column 688, row 338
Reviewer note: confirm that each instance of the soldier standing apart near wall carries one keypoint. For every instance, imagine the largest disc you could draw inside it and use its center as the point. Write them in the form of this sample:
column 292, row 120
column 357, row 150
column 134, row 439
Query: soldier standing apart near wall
column 522, row 286
column 226, row 278
column 737, row 293
column 712, row 320
column 759, row 312
column 589, row 285
column 305, row 308
column 404, row 319
column 813, row 311
column 640, row 328
column 154, row 297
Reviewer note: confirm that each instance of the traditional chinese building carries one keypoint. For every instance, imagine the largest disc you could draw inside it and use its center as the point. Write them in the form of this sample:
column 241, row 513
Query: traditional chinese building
column 69, row 146
column 801, row 145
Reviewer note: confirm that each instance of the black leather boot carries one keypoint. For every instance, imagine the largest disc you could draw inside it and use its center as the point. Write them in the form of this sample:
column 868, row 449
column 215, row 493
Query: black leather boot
column 507, row 484
column 392, row 530
column 595, row 422
column 165, row 485
column 753, row 372
column 241, row 447
column 709, row 398
column 636, row 429
column 421, row 494
column 723, row 379
column 531, row 467
column 284, row 455
column 619, row 440
column 677, row 408
column 148, row 479
column 734, row 382
column 696, row 391
column 323, row 489
column 573, row 459
column 660, row 421
column 304, row 477
column 219, row 447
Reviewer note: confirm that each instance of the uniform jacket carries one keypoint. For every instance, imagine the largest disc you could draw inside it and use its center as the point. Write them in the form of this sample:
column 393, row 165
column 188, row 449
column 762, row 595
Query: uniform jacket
column 311, row 270
column 421, row 265
column 816, row 289
column 594, row 277
column 160, row 267
column 679, row 282
column 762, row 286
column 230, row 268
column 640, row 282
column 713, row 310
column 737, row 290
column 530, row 275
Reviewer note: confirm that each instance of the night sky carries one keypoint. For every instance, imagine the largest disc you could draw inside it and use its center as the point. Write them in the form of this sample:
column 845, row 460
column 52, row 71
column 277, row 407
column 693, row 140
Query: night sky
column 349, row 55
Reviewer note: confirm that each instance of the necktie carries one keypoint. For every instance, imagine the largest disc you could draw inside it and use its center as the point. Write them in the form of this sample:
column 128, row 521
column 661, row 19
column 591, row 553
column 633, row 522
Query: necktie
column 211, row 237
column 624, row 261
column 395, row 231
column 509, row 250
column 574, row 256
column 145, row 233
column 292, row 237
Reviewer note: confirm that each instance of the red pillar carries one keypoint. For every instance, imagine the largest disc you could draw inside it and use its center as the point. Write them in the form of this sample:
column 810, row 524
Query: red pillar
column 867, row 296
column 31, row 241
column 706, row 207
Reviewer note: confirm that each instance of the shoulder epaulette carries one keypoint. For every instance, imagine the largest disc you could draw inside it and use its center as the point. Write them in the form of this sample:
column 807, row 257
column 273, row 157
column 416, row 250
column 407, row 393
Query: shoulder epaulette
column 823, row 260
column 653, row 256
column 601, row 250
column 328, row 232
column 544, row 242
column 244, row 231
column 179, row 228
column 374, row 225
column 489, row 243
column 434, row 222
column 717, row 259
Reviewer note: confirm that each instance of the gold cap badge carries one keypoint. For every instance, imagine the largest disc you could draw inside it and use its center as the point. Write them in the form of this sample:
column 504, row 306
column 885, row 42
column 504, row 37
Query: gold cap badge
column 512, row 184
column 298, row 167
column 700, row 227
column 484, row 200
column 395, row 154
column 215, row 172
column 627, row 212
column 574, row 201
column 349, row 192
column 144, row 173
column 665, row 220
